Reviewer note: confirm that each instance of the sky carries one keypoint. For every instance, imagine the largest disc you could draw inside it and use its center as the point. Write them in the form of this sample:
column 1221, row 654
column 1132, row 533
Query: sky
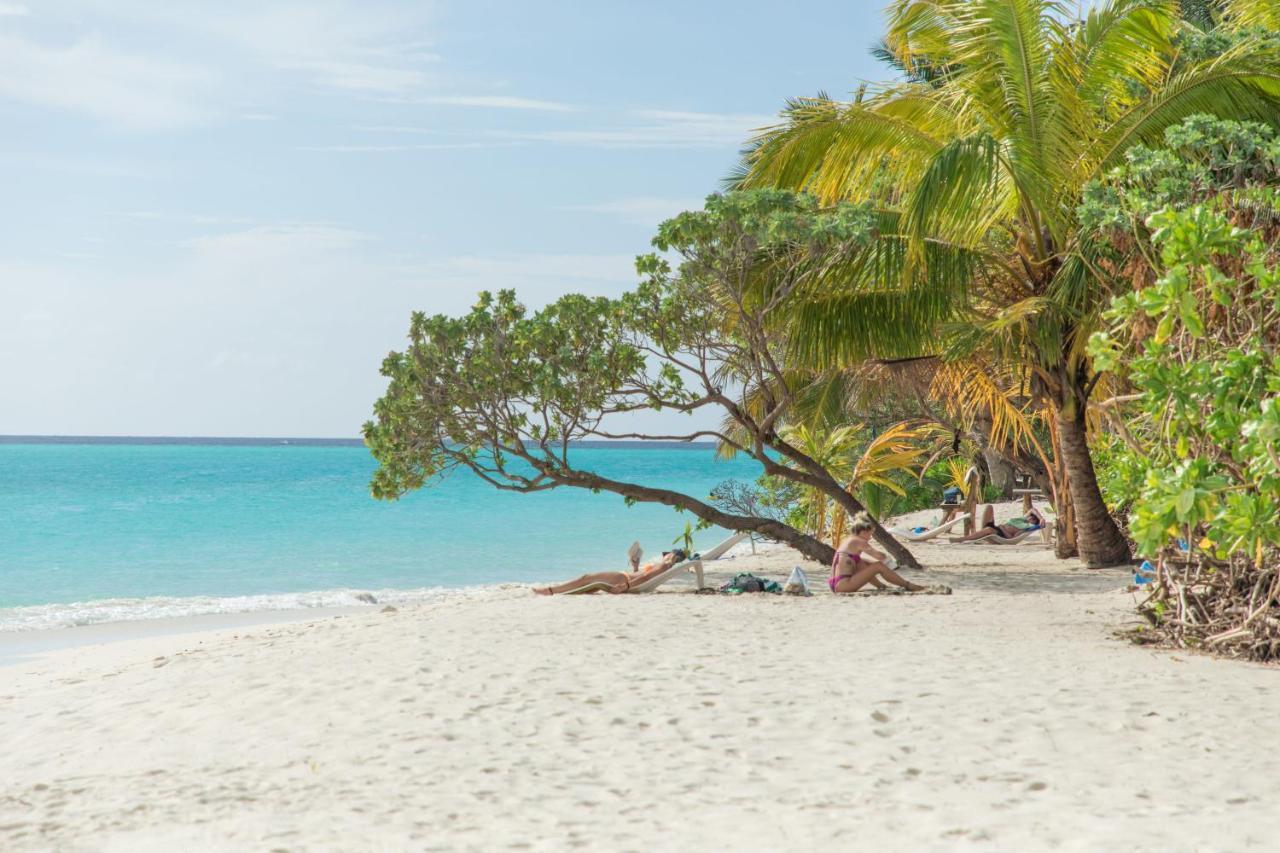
column 216, row 218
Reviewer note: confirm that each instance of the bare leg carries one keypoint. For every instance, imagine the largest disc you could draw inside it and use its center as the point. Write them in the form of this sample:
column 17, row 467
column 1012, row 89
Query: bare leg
column 896, row 579
column 617, row 581
column 988, row 523
column 870, row 573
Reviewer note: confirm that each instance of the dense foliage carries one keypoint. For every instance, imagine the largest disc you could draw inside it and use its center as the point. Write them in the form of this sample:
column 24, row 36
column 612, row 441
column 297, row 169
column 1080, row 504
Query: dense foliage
column 1197, row 342
column 978, row 172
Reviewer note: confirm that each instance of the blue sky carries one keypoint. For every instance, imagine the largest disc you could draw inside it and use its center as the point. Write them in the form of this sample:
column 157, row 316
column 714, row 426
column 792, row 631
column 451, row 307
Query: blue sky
column 217, row 217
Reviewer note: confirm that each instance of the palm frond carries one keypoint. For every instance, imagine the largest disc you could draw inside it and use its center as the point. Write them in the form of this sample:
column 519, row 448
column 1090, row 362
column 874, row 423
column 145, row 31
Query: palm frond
column 1253, row 13
column 1243, row 83
column 839, row 151
column 971, row 391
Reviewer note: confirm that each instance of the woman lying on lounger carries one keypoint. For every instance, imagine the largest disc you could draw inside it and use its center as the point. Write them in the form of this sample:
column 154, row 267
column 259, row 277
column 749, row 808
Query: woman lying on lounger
column 1011, row 528
column 615, row 583
column 858, row 564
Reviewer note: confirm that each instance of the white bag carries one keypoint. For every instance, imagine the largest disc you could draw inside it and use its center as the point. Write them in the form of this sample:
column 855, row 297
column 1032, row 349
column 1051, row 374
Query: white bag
column 797, row 583
column 890, row 561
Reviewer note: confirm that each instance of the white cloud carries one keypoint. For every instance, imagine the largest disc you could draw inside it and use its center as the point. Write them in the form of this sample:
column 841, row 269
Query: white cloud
column 385, row 149
column 354, row 46
column 280, row 327
column 397, row 128
column 501, row 102
column 642, row 210
column 358, row 76
column 632, row 129
column 201, row 61
column 91, row 77
column 660, row 129
column 266, row 241
column 90, row 165
column 492, row 270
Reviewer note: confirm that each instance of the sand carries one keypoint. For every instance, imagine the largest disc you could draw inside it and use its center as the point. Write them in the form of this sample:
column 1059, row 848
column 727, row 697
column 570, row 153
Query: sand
column 1003, row 717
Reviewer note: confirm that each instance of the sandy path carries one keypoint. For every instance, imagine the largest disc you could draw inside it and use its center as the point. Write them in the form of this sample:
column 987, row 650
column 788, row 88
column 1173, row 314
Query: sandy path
column 998, row 718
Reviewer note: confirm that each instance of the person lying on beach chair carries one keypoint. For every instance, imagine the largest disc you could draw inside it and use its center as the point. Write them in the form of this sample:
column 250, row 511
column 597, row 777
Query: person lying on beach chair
column 857, row 564
column 615, row 583
column 1012, row 528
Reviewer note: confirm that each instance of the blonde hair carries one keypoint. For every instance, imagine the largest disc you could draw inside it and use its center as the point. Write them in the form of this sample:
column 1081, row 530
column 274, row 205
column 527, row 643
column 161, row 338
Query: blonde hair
column 861, row 523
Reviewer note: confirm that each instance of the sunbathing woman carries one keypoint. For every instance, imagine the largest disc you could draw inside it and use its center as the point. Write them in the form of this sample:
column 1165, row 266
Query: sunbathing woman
column 858, row 564
column 615, row 583
column 1011, row 528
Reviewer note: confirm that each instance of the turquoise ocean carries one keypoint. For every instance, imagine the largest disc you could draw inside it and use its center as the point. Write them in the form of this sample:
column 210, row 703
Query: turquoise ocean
column 95, row 530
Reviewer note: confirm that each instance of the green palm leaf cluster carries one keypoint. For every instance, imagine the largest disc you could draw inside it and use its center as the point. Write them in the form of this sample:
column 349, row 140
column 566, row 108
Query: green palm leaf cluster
column 976, row 170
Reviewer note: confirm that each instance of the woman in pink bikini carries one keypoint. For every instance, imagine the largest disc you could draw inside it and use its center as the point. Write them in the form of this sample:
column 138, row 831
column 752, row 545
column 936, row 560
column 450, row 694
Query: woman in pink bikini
column 858, row 564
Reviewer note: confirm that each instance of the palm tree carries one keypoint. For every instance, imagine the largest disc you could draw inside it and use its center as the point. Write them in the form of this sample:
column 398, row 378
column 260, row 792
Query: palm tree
column 899, row 448
column 977, row 177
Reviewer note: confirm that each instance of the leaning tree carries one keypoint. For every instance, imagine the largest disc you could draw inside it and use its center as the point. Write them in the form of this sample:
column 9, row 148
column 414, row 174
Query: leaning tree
column 505, row 393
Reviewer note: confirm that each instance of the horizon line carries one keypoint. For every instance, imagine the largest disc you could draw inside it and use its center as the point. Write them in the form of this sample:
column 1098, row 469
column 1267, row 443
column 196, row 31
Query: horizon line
column 12, row 438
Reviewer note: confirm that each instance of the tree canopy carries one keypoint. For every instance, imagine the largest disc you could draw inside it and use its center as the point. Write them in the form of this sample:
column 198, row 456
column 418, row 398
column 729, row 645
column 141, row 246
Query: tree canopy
column 977, row 175
column 505, row 393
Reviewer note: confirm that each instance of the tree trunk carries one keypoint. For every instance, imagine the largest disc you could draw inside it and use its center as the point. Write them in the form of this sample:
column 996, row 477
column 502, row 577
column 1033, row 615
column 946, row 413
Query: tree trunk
column 1000, row 470
column 815, row 476
column 1098, row 539
column 1064, row 540
column 887, row 540
column 807, row 545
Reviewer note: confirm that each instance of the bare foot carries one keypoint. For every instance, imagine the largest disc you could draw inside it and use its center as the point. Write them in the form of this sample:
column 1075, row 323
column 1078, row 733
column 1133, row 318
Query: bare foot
column 544, row 591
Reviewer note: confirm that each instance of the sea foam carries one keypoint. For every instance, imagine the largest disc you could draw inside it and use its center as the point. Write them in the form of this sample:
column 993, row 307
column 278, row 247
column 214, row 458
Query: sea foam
column 46, row 616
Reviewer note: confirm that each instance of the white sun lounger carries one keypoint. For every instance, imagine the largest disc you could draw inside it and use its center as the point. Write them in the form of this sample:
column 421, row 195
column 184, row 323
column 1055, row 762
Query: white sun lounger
column 926, row 535
column 648, row 586
column 634, row 553
column 997, row 539
column 656, row 581
column 721, row 549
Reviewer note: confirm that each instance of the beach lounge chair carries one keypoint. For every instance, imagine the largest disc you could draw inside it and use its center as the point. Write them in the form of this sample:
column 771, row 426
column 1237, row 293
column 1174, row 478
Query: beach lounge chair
column 723, row 548
column 653, row 583
column 695, row 565
column 996, row 539
column 926, row 535
column 648, row 586
column 634, row 553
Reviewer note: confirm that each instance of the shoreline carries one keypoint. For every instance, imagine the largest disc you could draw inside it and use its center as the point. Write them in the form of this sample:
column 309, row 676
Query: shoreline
column 1006, row 715
column 22, row 647
column 67, row 622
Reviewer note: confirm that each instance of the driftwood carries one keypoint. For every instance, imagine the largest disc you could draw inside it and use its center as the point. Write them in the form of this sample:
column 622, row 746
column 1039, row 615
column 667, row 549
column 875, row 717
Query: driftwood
column 1228, row 608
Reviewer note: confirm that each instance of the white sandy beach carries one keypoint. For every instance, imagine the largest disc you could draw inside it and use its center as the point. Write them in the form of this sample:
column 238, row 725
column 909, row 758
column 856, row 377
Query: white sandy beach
column 1003, row 717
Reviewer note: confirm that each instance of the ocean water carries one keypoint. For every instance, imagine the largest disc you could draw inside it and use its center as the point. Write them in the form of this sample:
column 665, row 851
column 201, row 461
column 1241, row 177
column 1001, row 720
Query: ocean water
column 132, row 529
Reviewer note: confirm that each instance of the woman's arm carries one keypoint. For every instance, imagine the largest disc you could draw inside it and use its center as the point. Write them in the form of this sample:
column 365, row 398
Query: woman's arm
column 873, row 554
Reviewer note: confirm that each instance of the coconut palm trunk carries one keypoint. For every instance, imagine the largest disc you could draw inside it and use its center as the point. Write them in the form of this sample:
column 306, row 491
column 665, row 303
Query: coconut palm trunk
column 1099, row 540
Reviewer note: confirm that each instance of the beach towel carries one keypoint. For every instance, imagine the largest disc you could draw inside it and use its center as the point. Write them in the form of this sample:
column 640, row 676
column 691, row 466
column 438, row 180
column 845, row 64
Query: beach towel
column 747, row 582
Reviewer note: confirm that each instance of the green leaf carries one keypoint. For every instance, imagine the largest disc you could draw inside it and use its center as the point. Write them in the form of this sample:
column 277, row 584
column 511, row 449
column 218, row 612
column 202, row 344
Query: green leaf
column 1185, row 503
